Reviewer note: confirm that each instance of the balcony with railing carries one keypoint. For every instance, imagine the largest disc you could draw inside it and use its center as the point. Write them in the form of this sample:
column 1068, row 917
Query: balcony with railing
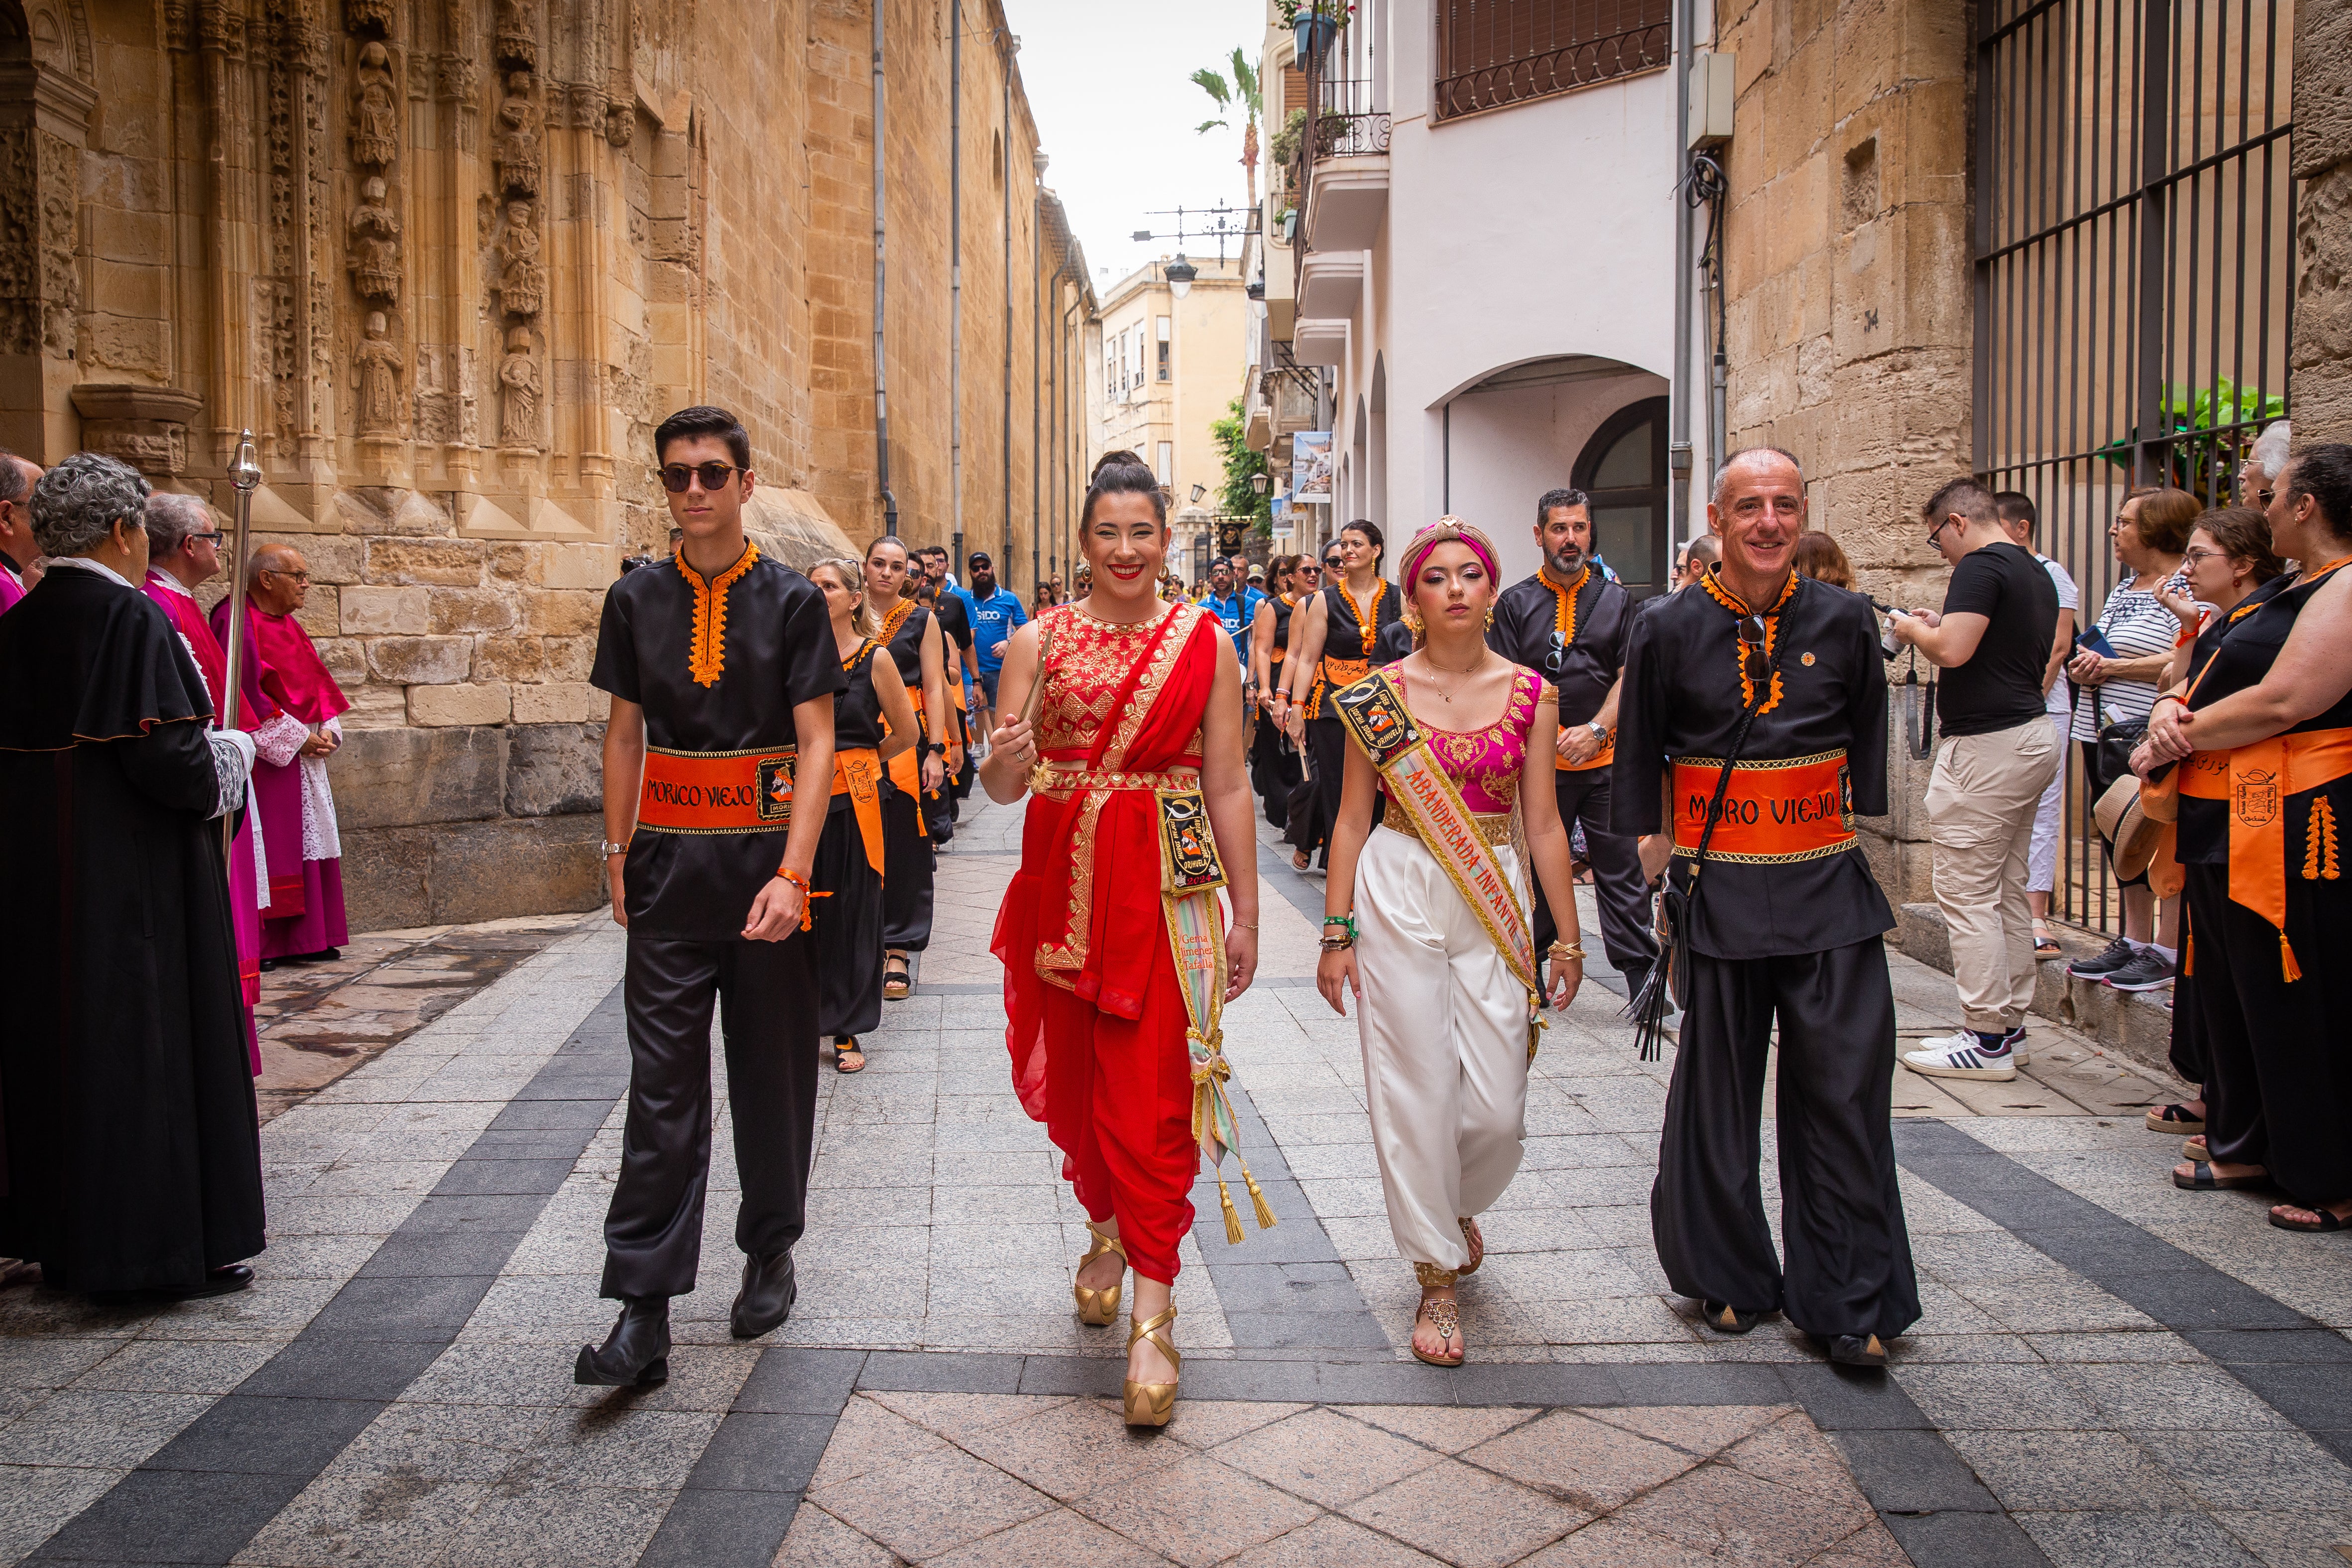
column 1343, row 159
column 1495, row 53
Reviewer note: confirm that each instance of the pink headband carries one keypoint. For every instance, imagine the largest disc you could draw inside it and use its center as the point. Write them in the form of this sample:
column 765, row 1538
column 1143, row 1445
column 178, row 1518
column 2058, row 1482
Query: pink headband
column 1446, row 529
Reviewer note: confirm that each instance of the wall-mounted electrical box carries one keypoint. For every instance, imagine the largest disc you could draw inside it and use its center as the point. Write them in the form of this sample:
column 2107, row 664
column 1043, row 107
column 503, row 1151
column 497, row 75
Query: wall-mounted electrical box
column 1711, row 80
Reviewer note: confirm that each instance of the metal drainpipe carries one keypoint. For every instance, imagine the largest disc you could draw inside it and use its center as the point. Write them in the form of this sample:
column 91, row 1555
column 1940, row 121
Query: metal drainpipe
column 955, row 287
column 881, row 394
column 1678, row 414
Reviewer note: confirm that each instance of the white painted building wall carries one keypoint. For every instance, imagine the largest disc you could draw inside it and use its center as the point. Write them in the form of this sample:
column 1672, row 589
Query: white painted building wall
column 1523, row 233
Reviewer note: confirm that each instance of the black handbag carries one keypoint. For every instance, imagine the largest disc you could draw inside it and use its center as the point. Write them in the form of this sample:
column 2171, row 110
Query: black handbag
column 2110, row 752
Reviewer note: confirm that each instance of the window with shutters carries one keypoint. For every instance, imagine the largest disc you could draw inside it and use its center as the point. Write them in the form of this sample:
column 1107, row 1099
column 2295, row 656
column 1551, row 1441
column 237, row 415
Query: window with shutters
column 1491, row 53
column 1163, row 349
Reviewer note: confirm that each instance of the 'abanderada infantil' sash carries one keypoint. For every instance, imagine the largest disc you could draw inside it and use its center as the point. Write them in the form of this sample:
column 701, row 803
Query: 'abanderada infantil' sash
column 1374, row 710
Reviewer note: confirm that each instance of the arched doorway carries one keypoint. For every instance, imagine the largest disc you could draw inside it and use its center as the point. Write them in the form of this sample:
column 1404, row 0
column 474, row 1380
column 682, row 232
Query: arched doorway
column 1624, row 468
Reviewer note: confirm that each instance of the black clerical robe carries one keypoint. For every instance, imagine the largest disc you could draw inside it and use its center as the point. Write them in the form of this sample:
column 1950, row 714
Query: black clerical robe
column 133, row 1153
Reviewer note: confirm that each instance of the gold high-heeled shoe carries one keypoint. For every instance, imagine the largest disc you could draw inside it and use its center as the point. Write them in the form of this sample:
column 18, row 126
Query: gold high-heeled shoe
column 1101, row 1308
column 1151, row 1404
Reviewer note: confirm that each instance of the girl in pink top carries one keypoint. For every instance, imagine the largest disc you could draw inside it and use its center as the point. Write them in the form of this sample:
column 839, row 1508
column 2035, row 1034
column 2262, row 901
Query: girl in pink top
column 1442, row 1016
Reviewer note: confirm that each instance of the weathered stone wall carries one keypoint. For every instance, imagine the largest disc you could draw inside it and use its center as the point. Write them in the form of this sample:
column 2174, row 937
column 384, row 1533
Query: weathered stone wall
column 451, row 260
column 2320, row 379
column 1848, row 300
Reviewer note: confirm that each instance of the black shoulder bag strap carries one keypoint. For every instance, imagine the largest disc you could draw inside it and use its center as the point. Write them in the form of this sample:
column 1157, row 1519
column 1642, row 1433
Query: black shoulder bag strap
column 1668, row 974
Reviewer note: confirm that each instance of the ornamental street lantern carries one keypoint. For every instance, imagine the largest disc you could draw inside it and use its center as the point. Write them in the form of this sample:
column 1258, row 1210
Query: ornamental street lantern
column 1180, row 274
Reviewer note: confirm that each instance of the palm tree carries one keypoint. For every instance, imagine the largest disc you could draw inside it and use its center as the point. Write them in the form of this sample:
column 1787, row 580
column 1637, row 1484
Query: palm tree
column 1240, row 93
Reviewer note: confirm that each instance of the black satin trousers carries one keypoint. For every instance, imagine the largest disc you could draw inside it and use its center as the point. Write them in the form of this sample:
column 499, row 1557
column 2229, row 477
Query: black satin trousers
column 766, row 994
column 1849, row 1255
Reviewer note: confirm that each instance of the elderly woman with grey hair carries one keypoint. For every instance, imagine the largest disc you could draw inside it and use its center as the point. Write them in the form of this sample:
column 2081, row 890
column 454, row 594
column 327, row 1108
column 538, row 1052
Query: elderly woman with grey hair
column 133, row 1156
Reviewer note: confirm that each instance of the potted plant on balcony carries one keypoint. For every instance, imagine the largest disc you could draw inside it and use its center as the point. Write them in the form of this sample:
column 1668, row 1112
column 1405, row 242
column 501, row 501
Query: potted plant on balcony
column 1315, row 23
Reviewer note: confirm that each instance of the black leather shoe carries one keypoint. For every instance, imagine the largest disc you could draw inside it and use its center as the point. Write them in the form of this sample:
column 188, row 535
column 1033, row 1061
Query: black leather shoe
column 1725, row 1319
column 1857, row 1349
column 766, row 1298
column 637, row 1353
column 226, row 1280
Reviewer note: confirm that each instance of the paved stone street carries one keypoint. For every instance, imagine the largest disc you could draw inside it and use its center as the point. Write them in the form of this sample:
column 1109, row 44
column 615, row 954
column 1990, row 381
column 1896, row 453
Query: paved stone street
column 2109, row 1372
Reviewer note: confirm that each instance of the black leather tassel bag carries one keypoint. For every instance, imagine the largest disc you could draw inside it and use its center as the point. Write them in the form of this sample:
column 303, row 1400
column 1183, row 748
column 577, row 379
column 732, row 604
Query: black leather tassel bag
column 1668, row 975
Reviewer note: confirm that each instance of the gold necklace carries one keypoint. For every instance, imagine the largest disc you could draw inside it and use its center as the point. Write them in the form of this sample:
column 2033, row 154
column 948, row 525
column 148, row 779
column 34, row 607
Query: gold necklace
column 1443, row 695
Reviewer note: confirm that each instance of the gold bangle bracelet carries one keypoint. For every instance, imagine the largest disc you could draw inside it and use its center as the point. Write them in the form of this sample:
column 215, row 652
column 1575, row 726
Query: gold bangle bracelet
column 1566, row 949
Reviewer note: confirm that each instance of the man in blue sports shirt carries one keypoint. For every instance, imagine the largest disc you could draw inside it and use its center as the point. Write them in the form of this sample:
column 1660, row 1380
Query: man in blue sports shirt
column 996, row 613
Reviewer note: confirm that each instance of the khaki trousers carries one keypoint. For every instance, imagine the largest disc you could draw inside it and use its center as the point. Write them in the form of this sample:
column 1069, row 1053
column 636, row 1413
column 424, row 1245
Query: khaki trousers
column 1982, row 800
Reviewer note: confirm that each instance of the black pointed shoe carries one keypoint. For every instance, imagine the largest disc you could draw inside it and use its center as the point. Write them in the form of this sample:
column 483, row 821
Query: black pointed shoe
column 766, row 1298
column 637, row 1353
column 1858, row 1349
column 1725, row 1319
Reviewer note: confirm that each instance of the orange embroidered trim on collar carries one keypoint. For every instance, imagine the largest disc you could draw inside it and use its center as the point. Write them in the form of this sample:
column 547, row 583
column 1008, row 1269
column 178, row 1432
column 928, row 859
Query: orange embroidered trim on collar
column 706, row 657
column 1771, row 618
column 1564, row 616
column 896, row 618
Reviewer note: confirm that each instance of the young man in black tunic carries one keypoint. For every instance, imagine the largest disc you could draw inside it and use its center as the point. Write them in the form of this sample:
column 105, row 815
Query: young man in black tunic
column 722, row 671
column 1568, row 623
column 1789, row 924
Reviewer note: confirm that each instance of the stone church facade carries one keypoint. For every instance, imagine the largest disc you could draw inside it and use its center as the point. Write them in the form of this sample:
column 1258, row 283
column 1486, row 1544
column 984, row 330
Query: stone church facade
column 451, row 261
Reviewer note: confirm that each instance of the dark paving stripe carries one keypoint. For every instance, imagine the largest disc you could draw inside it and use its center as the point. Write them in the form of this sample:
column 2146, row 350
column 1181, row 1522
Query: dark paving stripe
column 2301, row 1368
column 740, row 1499
column 212, row 1488
column 1283, row 1289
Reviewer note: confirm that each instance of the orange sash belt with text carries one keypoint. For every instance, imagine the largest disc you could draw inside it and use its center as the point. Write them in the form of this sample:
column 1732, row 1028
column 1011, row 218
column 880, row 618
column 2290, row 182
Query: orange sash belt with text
column 717, row 792
column 2254, row 782
column 1777, row 810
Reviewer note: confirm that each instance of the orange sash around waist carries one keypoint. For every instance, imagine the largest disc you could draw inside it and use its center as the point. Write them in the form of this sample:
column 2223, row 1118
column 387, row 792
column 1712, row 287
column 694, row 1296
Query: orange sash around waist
column 717, row 792
column 2256, row 782
column 1776, row 811
column 1600, row 758
column 857, row 773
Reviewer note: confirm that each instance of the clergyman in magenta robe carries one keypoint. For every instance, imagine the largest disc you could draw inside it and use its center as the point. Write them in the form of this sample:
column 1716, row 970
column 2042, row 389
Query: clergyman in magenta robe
column 302, row 917
column 183, row 549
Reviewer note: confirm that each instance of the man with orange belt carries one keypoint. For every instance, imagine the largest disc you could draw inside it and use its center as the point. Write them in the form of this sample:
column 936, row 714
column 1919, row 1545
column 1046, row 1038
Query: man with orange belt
column 1780, row 919
column 1568, row 624
column 722, row 669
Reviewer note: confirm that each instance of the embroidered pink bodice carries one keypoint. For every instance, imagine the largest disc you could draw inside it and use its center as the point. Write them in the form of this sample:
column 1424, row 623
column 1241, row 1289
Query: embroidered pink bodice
column 1485, row 764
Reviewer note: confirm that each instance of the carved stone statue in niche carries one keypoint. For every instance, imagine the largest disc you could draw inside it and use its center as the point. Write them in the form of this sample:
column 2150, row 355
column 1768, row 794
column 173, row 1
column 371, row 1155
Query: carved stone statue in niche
column 379, row 365
column 518, row 33
column 519, row 374
column 375, row 244
column 376, row 110
column 518, row 147
column 522, row 282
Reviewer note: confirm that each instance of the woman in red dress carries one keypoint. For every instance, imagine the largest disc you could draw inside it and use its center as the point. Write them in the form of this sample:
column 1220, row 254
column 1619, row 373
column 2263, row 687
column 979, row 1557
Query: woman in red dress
column 1136, row 731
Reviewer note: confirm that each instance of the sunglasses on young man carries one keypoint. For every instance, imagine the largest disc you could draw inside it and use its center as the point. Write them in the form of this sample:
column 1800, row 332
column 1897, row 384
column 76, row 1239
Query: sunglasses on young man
column 676, row 476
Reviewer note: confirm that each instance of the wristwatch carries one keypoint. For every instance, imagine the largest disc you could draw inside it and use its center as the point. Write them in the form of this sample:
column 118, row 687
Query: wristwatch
column 610, row 848
column 1600, row 731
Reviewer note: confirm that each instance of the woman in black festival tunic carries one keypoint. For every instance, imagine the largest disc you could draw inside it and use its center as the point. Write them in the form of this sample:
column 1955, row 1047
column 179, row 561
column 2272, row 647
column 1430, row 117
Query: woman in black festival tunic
column 911, row 635
column 850, row 856
column 1335, row 650
column 2265, row 746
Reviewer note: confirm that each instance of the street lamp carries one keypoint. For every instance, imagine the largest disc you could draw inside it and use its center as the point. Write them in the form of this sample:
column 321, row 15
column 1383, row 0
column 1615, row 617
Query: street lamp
column 1260, row 484
column 1181, row 274
column 1198, row 491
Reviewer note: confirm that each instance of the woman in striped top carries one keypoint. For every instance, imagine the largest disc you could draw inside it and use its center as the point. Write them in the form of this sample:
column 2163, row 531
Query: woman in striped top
column 2150, row 533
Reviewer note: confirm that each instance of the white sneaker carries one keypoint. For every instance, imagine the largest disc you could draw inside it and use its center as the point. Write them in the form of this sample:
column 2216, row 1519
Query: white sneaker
column 2019, row 1052
column 1959, row 1055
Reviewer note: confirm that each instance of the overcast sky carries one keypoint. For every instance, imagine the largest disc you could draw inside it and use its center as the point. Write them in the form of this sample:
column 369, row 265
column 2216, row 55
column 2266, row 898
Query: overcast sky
column 1109, row 84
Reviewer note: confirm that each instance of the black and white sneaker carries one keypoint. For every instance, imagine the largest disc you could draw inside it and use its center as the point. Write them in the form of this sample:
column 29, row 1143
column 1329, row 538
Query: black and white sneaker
column 2147, row 970
column 1962, row 1055
column 2019, row 1052
column 2112, row 957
